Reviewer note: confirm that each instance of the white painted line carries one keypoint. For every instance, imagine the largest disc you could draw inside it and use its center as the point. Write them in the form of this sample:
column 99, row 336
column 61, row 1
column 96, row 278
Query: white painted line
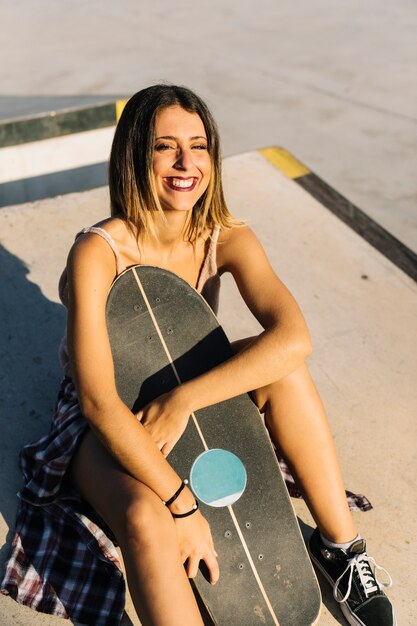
column 55, row 155
column 252, row 564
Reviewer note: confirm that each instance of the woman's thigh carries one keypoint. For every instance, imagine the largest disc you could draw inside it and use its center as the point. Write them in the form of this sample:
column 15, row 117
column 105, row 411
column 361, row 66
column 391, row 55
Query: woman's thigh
column 116, row 496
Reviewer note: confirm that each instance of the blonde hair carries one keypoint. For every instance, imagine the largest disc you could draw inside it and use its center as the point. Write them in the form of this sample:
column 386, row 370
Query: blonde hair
column 132, row 190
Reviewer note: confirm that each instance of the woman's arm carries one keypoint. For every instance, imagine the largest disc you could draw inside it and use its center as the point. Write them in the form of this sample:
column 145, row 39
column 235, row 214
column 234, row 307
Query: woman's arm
column 90, row 274
column 277, row 351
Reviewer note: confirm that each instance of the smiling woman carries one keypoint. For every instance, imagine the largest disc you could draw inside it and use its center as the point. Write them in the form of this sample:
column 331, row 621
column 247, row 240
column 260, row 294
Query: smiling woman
column 101, row 475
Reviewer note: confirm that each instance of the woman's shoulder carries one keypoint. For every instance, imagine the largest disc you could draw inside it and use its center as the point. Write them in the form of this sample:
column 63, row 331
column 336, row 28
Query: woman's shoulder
column 115, row 227
column 236, row 233
column 91, row 255
column 110, row 233
column 234, row 243
column 96, row 244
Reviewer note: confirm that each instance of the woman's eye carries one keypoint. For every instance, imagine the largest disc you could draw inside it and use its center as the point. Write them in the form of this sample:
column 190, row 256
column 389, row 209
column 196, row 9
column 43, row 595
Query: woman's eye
column 162, row 146
column 201, row 146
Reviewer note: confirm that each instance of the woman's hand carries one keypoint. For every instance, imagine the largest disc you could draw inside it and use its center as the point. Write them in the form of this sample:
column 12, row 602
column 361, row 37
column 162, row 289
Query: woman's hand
column 196, row 544
column 165, row 418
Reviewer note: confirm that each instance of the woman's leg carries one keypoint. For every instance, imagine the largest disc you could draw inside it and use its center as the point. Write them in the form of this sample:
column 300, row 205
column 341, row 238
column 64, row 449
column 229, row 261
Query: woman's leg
column 145, row 532
column 297, row 423
column 298, row 426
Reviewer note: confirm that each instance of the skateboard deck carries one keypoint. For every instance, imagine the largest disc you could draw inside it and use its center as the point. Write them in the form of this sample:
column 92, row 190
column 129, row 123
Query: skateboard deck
column 162, row 333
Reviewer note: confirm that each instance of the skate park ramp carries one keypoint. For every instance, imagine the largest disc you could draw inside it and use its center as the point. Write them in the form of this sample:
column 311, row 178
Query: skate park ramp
column 354, row 283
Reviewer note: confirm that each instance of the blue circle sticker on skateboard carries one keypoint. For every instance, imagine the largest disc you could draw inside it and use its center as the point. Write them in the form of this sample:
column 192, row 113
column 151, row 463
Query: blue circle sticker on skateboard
column 218, row 477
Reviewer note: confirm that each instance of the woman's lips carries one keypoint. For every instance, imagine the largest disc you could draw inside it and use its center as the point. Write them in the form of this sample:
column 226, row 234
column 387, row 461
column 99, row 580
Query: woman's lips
column 177, row 183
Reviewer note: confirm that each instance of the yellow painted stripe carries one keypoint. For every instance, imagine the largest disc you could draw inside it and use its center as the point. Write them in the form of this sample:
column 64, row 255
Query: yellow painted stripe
column 284, row 161
column 120, row 105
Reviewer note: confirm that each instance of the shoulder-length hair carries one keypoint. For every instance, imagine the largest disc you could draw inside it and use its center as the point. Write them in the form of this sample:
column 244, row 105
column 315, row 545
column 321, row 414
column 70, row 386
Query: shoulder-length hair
column 132, row 189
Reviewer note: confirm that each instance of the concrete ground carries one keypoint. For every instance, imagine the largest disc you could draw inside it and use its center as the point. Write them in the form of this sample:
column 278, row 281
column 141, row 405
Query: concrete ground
column 361, row 310
column 332, row 81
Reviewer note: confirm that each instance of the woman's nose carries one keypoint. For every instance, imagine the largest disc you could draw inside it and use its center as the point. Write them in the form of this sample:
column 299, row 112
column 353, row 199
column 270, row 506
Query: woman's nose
column 184, row 160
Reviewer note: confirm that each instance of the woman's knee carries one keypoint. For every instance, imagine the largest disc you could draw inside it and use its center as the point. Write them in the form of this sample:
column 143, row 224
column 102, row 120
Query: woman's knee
column 277, row 390
column 128, row 507
column 144, row 520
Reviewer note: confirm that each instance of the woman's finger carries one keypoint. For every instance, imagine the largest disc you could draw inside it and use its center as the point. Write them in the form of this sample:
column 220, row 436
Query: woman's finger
column 192, row 566
column 161, row 446
column 167, row 448
column 213, row 566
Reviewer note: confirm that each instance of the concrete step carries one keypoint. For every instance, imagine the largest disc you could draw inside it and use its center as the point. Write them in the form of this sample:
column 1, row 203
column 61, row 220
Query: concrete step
column 56, row 152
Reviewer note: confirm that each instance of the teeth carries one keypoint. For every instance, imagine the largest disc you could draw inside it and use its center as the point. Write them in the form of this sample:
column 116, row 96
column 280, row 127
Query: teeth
column 180, row 182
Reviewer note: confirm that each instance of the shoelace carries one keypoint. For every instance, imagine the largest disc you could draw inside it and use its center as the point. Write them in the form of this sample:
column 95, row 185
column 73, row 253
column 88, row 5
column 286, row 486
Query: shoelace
column 369, row 580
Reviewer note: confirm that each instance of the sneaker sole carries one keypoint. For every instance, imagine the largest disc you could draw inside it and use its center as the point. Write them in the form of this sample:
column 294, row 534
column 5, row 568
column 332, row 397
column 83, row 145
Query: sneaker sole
column 350, row 617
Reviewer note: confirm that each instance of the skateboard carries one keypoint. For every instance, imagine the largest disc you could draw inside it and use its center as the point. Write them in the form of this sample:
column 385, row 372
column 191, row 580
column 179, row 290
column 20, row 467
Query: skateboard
column 162, row 333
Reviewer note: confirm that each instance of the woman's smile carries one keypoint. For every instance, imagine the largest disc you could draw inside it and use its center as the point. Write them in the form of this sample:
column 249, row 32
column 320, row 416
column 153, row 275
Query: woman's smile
column 178, row 183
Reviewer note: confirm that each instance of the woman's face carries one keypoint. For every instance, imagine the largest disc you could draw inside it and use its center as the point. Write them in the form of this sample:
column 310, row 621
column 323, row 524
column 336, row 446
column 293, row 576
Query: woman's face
column 181, row 162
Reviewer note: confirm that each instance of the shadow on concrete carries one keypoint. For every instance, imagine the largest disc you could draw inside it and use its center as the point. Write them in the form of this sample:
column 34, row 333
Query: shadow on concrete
column 30, row 331
column 326, row 592
column 31, row 327
column 53, row 184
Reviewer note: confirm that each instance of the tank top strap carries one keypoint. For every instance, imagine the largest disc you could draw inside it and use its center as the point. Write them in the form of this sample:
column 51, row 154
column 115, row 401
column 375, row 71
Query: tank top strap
column 211, row 252
column 215, row 234
column 209, row 267
column 120, row 266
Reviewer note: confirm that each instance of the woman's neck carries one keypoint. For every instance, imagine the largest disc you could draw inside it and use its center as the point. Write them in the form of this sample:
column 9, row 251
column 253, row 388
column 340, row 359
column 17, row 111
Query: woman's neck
column 171, row 228
column 170, row 231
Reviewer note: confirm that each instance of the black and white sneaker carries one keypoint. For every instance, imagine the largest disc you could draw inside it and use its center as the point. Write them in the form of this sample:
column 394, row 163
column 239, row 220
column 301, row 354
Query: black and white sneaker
column 355, row 584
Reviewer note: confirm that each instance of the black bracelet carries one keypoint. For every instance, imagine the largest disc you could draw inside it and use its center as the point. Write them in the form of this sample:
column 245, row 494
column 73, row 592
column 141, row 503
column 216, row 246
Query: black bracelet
column 193, row 510
column 176, row 494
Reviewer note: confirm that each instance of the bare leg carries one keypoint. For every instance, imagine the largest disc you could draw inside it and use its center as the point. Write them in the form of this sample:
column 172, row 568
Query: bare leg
column 298, row 426
column 146, row 534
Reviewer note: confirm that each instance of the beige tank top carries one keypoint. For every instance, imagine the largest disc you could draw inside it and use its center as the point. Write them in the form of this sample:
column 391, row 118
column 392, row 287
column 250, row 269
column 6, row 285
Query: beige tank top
column 208, row 281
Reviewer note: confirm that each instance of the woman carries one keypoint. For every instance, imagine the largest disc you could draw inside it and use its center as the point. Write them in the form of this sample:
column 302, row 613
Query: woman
column 168, row 210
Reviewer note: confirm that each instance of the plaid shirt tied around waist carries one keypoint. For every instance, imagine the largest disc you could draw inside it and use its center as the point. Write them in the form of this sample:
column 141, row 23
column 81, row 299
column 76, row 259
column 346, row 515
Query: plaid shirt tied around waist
column 62, row 560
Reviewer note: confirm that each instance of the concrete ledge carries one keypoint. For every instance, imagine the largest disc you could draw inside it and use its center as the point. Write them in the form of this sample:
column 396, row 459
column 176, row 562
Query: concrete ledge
column 57, row 123
column 52, row 167
column 57, row 152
